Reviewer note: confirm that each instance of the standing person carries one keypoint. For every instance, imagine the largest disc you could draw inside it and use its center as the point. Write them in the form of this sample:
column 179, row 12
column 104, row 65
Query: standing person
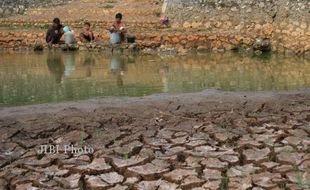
column 87, row 35
column 119, row 27
column 54, row 32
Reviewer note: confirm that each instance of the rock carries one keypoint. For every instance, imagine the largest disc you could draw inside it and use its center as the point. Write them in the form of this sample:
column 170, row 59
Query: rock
column 27, row 186
column 203, row 48
column 212, row 185
column 44, row 162
column 269, row 165
column 256, row 155
column 267, row 180
column 72, row 137
column 221, row 137
column 97, row 166
column 231, row 159
column 55, row 171
column 242, row 171
column 209, row 151
column 191, row 182
column 298, row 133
column 305, row 166
column 131, row 181
column 301, row 178
column 69, row 182
column 248, row 142
column 211, row 175
column 283, row 169
column 112, row 178
column 129, row 149
column 284, row 149
column 147, row 185
column 292, row 140
column 38, row 47
column 95, row 183
column 165, row 185
column 258, row 52
column 240, row 183
column 177, row 175
column 175, row 150
column 214, row 163
column 157, row 142
column 179, row 141
column 148, row 171
column 119, row 187
column 3, row 183
column 124, row 163
column 80, row 160
column 292, row 158
column 187, row 25
column 193, row 162
column 262, row 45
column 196, row 25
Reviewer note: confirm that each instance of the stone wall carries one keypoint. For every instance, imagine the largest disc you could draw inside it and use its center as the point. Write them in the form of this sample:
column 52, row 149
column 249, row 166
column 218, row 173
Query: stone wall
column 11, row 7
column 285, row 22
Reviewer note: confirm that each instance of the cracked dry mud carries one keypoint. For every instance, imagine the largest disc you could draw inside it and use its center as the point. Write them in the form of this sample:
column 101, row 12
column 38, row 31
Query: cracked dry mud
column 209, row 140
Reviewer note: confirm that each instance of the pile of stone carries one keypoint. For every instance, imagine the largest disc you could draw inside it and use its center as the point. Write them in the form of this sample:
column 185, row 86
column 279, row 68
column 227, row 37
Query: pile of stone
column 10, row 7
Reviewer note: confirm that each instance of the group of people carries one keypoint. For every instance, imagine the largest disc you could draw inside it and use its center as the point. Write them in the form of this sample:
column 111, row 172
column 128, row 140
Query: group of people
column 56, row 30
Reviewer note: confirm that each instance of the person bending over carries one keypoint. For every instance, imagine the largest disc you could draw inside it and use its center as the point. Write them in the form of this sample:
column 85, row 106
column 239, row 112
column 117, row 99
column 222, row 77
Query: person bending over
column 54, row 32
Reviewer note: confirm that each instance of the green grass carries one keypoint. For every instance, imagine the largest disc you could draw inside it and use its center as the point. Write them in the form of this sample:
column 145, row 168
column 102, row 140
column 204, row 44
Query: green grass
column 224, row 183
column 108, row 6
column 110, row 1
column 157, row 13
column 25, row 27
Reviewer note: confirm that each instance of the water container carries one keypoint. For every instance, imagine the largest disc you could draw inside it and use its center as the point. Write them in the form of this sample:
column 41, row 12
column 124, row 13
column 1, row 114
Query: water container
column 115, row 38
column 69, row 38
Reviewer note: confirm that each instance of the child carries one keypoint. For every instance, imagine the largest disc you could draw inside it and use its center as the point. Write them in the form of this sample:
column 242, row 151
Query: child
column 87, row 35
column 119, row 27
column 69, row 36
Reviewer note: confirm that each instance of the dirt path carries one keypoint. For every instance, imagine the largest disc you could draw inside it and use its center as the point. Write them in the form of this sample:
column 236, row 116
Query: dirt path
column 207, row 140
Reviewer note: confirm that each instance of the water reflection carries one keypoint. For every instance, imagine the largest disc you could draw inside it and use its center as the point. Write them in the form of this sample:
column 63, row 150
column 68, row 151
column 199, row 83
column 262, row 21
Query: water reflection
column 69, row 60
column 164, row 71
column 88, row 62
column 29, row 78
column 118, row 68
column 56, row 65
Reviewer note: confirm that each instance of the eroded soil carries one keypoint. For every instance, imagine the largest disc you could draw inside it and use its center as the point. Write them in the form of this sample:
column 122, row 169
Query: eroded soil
column 208, row 140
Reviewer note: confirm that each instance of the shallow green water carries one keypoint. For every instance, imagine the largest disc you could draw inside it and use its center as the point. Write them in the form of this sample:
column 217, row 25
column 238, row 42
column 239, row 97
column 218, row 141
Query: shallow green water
column 32, row 78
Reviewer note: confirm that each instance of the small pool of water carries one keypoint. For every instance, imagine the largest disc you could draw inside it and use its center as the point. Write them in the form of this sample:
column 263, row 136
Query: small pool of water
column 32, row 78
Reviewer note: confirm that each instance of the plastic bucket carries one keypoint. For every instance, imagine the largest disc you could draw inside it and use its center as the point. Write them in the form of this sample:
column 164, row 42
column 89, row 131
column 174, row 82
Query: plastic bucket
column 115, row 38
column 131, row 39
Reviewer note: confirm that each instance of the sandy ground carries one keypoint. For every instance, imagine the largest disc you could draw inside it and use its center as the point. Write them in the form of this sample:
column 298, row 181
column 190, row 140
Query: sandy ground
column 207, row 140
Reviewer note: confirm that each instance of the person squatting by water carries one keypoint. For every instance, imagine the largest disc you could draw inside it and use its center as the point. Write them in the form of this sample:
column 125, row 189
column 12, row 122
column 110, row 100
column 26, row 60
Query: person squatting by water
column 54, row 32
column 87, row 35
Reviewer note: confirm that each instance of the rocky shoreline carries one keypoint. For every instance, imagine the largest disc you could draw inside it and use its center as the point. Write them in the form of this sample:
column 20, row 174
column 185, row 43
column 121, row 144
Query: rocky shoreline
column 207, row 140
column 194, row 25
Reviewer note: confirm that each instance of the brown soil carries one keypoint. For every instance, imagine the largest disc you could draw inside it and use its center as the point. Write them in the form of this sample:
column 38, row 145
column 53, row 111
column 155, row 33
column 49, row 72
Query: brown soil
column 94, row 10
column 207, row 140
